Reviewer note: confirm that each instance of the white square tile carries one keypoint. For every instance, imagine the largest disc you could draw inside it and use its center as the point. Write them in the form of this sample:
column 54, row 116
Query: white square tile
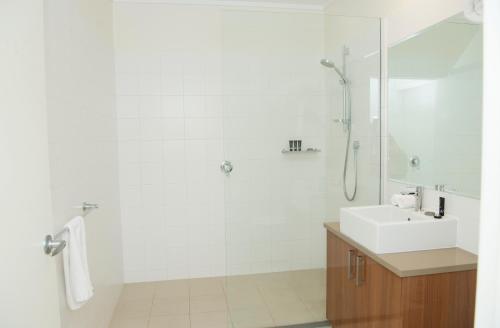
column 151, row 151
column 193, row 84
column 129, row 151
column 129, row 129
column 127, row 84
column 196, row 150
column 213, row 84
column 173, row 128
column 199, row 261
column 178, row 262
column 132, row 217
column 194, row 106
column 150, row 64
column 177, row 236
column 131, row 195
column 150, row 84
column 152, row 174
column 173, row 106
column 173, row 149
column 130, row 174
column 213, row 128
column 152, row 196
column 156, row 256
column 127, row 106
column 207, row 128
column 175, row 214
column 196, row 213
column 172, row 84
column 151, row 106
column 195, row 128
column 172, row 63
column 175, row 193
column 133, row 258
column 214, row 150
column 174, row 170
column 152, row 128
column 213, row 106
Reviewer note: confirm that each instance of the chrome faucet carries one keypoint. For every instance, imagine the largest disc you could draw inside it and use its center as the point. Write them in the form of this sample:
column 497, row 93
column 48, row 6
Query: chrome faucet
column 418, row 192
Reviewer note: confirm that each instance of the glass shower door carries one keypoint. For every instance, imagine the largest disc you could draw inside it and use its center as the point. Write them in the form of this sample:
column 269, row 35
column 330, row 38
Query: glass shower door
column 277, row 197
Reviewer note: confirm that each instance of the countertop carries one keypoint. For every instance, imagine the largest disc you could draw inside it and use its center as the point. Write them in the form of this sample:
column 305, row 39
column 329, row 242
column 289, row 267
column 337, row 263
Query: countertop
column 409, row 264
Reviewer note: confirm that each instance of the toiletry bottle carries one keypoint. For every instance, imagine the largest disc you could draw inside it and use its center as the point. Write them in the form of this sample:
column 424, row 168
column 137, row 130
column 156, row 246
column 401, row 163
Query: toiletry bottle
column 441, row 206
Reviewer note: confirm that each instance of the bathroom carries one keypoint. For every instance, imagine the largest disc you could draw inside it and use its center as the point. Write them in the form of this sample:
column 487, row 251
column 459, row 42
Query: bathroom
column 217, row 155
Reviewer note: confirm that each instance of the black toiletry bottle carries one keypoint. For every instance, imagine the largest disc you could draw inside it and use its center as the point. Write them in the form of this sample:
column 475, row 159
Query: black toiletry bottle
column 441, row 206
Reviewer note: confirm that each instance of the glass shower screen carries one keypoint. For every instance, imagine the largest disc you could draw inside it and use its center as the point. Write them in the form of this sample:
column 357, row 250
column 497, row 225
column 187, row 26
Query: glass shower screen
column 284, row 154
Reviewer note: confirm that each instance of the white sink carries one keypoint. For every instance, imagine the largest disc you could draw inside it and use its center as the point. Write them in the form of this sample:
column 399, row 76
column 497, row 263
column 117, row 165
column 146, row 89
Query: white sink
column 389, row 229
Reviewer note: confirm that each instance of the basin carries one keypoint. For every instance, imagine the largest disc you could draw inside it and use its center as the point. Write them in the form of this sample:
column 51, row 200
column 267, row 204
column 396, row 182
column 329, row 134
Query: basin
column 390, row 229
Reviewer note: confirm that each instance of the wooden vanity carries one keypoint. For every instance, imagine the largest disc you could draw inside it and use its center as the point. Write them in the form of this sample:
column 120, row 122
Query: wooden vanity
column 424, row 289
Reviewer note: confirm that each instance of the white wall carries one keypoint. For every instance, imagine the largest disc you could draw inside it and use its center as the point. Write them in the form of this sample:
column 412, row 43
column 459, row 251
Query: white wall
column 197, row 85
column 403, row 18
column 82, row 144
column 488, row 287
column 28, row 282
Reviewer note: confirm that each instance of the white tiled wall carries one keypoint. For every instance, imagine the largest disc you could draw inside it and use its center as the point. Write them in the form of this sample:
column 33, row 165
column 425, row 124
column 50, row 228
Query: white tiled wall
column 170, row 139
column 199, row 85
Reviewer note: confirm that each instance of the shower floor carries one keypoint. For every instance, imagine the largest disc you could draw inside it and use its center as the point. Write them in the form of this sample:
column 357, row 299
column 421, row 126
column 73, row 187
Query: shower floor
column 249, row 301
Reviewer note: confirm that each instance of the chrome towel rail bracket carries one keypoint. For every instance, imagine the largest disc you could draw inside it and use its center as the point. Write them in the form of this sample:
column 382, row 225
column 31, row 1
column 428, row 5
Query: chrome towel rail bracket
column 53, row 245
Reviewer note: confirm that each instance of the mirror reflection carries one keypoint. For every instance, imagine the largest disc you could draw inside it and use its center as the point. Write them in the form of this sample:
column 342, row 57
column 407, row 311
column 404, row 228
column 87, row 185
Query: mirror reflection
column 435, row 104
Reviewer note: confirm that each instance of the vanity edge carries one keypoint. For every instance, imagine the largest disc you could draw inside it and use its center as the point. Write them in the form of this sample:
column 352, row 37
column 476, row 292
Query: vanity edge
column 418, row 263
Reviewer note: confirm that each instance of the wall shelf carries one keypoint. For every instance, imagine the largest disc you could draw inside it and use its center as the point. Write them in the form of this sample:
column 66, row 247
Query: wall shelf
column 307, row 150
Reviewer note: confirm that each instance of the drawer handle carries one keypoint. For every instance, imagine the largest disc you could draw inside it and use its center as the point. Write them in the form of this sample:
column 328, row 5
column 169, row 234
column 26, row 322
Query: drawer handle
column 360, row 270
column 350, row 256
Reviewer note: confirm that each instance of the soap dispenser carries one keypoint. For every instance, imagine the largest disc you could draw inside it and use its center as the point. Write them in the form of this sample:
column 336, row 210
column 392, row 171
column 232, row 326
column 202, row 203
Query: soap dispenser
column 441, row 208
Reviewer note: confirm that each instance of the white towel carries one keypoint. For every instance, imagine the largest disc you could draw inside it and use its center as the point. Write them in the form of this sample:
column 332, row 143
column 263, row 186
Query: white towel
column 474, row 10
column 403, row 201
column 79, row 288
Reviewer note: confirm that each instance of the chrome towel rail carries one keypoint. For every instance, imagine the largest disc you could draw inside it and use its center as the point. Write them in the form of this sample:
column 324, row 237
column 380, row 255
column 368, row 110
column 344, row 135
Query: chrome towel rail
column 53, row 245
column 87, row 207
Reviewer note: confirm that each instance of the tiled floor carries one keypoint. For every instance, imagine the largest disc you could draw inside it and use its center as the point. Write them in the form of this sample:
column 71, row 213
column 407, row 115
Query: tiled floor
column 253, row 301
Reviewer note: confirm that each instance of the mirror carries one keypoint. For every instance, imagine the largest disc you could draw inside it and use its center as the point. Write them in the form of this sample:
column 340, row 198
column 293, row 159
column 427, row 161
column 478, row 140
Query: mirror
column 435, row 108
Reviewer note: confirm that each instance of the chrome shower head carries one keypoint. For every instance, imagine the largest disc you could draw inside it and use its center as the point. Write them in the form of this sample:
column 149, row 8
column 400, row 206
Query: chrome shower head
column 330, row 64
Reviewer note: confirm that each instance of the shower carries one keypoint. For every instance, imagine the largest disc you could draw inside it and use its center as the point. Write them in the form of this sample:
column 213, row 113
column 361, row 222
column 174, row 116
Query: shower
column 346, row 122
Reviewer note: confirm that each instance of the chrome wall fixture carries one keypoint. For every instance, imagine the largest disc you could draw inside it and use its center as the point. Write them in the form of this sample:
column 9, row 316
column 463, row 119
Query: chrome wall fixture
column 87, row 207
column 53, row 245
column 226, row 167
column 346, row 121
column 414, row 161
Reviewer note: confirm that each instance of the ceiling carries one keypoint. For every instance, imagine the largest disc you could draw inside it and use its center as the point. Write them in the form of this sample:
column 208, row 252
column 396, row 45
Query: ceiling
column 287, row 4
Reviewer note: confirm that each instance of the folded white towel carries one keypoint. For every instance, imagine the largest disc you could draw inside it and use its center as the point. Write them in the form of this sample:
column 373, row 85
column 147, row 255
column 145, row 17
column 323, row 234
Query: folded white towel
column 79, row 288
column 474, row 10
column 395, row 199
column 403, row 201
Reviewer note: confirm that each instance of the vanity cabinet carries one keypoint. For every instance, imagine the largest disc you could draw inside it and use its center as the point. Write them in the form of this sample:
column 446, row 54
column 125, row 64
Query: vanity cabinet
column 363, row 293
